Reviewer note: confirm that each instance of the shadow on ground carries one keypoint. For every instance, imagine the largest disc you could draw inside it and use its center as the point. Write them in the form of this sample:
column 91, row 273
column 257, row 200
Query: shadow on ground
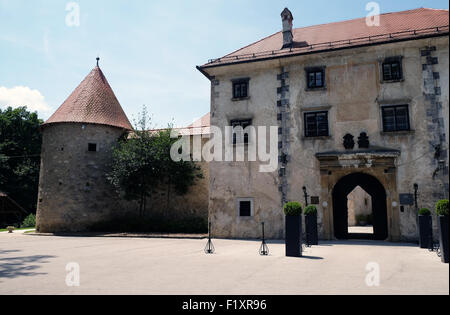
column 13, row 267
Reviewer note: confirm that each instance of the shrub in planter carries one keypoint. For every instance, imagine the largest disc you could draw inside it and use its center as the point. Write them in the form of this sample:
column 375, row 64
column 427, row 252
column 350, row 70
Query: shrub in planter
column 442, row 208
column 310, row 210
column 293, row 211
column 442, row 211
column 10, row 229
column 425, row 228
column 312, row 235
column 424, row 212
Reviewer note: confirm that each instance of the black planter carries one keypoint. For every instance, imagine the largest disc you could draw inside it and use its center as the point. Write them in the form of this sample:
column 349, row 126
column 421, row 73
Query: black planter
column 312, row 235
column 443, row 237
column 293, row 236
column 425, row 230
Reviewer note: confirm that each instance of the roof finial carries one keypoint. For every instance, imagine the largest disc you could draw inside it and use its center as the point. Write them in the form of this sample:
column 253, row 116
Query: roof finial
column 98, row 59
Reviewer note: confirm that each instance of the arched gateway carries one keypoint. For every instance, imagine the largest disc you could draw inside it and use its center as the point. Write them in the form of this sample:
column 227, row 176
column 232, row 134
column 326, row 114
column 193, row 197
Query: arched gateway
column 375, row 171
column 379, row 206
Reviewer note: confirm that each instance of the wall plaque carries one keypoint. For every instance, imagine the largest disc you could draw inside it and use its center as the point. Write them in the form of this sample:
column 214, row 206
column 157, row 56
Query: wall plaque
column 406, row 199
column 315, row 200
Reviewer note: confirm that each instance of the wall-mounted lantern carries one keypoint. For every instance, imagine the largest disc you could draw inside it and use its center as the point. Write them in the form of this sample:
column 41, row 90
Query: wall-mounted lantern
column 305, row 193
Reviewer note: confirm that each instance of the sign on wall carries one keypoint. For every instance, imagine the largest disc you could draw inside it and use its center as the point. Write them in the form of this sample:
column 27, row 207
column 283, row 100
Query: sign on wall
column 315, row 200
column 406, row 199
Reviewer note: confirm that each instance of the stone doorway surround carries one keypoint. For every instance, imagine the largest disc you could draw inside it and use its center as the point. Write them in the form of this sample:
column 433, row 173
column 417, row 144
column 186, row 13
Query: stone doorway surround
column 377, row 162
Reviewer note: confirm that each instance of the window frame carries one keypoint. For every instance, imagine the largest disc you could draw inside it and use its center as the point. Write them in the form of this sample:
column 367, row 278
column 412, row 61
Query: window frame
column 90, row 144
column 252, row 207
column 305, row 124
column 239, row 82
column 395, row 108
column 391, row 61
column 315, row 71
column 247, row 137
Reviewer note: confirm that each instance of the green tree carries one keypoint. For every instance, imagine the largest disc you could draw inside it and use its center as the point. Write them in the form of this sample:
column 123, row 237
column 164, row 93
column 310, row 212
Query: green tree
column 20, row 149
column 142, row 164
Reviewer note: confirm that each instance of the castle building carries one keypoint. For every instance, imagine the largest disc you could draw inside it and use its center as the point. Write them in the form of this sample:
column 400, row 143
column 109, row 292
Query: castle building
column 76, row 148
column 74, row 193
column 356, row 103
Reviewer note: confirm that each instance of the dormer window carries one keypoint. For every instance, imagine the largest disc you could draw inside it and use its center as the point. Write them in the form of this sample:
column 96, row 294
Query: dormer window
column 392, row 69
column 240, row 88
column 315, row 77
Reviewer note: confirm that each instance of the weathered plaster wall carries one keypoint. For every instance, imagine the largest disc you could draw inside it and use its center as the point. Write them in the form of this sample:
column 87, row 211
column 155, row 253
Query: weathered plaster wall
column 353, row 96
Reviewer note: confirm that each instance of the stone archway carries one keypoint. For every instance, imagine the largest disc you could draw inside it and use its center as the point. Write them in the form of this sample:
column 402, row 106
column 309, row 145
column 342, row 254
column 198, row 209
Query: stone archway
column 378, row 163
column 379, row 205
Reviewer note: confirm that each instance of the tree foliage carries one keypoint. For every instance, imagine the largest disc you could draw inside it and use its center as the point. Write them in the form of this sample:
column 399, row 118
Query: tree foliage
column 20, row 149
column 142, row 164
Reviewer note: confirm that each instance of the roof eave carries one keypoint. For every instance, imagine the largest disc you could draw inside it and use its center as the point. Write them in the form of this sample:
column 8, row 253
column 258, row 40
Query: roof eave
column 83, row 123
column 202, row 71
column 211, row 66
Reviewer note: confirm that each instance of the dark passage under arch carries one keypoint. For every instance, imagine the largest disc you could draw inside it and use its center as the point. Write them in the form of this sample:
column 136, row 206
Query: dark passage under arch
column 379, row 206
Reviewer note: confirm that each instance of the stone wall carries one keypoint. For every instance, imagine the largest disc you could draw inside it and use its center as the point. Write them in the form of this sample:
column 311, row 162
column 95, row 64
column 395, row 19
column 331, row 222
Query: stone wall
column 74, row 193
column 194, row 204
column 353, row 96
column 359, row 203
column 73, row 189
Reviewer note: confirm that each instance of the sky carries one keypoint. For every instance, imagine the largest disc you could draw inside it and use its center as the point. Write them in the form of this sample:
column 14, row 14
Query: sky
column 148, row 49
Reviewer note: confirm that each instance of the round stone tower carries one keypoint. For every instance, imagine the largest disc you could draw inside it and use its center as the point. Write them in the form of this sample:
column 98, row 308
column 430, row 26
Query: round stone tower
column 74, row 192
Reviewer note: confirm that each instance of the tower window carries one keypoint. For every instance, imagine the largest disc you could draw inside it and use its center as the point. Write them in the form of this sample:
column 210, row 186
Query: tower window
column 92, row 147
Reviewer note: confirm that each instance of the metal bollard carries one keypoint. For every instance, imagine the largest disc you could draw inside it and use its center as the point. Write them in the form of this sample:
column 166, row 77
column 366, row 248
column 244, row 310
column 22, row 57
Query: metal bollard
column 264, row 250
column 209, row 249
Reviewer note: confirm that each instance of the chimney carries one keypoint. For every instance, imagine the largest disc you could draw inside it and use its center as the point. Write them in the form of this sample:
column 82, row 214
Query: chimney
column 287, row 18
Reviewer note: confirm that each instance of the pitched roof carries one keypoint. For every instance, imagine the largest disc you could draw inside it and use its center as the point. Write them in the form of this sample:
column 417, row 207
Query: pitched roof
column 93, row 102
column 201, row 126
column 403, row 25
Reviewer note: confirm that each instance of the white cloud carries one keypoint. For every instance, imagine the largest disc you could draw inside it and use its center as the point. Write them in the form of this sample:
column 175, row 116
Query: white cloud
column 23, row 96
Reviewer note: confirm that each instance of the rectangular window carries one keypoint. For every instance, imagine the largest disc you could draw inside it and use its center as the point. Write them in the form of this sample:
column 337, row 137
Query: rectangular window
column 239, row 134
column 315, row 78
column 316, row 124
column 92, row 147
column 240, row 88
column 392, row 69
column 245, row 207
column 395, row 118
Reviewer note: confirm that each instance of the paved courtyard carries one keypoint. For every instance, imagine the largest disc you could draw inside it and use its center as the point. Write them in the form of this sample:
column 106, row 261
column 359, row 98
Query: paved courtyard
column 37, row 265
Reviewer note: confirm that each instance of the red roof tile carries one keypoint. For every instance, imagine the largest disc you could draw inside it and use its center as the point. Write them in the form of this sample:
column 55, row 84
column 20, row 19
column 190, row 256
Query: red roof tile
column 93, row 102
column 393, row 26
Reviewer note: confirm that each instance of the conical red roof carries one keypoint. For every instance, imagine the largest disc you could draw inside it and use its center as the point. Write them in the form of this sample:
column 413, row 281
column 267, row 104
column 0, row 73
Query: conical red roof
column 92, row 102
